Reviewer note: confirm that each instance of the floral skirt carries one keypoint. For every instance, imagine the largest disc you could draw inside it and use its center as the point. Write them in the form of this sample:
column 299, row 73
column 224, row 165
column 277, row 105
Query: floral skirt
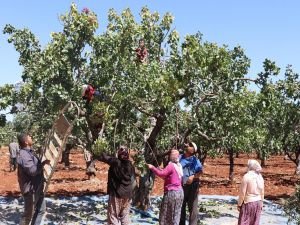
column 250, row 213
column 170, row 209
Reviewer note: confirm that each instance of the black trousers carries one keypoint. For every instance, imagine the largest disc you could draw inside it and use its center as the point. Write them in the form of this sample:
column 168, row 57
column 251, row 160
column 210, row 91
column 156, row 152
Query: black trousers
column 13, row 164
column 191, row 200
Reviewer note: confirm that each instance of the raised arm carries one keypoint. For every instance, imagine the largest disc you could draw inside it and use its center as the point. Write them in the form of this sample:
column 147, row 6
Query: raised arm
column 106, row 158
column 161, row 172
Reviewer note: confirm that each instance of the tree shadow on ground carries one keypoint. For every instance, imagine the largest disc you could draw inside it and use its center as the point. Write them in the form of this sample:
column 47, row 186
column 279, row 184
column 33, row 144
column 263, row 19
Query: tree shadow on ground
column 213, row 183
column 66, row 180
column 12, row 193
column 208, row 215
column 9, row 216
column 277, row 197
column 62, row 192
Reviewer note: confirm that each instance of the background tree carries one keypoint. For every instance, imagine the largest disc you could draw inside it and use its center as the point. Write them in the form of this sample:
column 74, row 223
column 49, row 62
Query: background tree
column 7, row 134
column 291, row 206
column 281, row 116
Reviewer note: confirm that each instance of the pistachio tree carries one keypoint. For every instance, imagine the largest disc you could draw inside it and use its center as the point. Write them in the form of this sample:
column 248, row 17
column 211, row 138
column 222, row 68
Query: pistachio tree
column 291, row 207
column 6, row 134
column 281, row 100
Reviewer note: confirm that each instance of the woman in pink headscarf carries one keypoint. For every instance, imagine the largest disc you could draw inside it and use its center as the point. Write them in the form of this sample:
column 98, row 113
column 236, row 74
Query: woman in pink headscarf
column 170, row 210
column 251, row 195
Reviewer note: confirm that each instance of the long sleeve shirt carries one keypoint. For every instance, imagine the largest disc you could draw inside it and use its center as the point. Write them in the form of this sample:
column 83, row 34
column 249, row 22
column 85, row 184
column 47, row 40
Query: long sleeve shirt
column 249, row 188
column 30, row 171
column 13, row 149
column 172, row 181
column 121, row 176
column 142, row 53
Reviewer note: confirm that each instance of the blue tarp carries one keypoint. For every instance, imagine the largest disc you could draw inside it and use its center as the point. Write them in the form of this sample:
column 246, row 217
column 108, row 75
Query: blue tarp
column 219, row 210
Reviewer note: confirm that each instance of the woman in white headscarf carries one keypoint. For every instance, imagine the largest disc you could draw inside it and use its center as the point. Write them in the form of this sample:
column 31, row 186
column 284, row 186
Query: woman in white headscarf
column 170, row 210
column 251, row 195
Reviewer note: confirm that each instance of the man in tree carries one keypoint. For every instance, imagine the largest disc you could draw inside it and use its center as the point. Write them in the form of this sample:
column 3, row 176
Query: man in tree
column 121, row 181
column 88, row 92
column 192, row 169
column 30, row 177
column 141, row 52
column 13, row 151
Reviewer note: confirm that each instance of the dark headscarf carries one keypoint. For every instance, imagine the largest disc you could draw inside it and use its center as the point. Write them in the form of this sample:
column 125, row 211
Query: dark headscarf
column 123, row 153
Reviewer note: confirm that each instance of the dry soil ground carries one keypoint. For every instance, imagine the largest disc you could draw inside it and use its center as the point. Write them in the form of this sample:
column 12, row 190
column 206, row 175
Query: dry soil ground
column 278, row 174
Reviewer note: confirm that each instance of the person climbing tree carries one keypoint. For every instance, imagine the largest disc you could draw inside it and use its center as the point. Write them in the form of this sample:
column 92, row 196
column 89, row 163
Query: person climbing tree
column 142, row 52
column 89, row 92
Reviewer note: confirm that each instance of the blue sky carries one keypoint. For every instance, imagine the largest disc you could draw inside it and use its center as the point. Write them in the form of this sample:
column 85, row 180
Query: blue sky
column 264, row 28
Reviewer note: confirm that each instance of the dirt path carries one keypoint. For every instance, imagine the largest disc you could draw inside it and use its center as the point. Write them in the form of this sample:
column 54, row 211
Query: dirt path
column 278, row 174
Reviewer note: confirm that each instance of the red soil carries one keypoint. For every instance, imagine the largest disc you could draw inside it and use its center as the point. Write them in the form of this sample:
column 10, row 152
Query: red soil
column 278, row 174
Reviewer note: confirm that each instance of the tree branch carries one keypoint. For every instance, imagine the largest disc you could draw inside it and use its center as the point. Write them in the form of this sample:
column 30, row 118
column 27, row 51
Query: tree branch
column 140, row 109
column 202, row 99
column 207, row 137
column 238, row 79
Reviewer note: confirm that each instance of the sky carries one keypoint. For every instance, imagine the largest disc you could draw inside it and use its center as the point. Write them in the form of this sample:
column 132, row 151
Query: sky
column 264, row 28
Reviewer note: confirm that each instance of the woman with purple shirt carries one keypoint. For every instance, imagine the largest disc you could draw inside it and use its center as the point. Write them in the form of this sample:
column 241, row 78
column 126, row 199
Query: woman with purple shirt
column 173, row 194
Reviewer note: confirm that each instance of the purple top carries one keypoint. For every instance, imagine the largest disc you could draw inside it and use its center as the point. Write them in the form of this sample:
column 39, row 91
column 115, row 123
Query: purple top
column 30, row 171
column 170, row 176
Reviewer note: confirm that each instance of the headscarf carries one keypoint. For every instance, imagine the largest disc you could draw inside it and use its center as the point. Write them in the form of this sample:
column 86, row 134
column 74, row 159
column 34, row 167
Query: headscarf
column 83, row 89
column 175, row 160
column 123, row 153
column 254, row 165
column 194, row 146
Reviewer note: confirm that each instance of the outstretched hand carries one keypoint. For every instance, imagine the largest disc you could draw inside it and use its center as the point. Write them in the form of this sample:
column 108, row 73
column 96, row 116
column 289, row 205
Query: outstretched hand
column 46, row 162
column 150, row 166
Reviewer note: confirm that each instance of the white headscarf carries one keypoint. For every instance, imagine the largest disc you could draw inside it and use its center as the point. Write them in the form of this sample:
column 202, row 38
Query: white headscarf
column 83, row 89
column 175, row 160
column 253, row 165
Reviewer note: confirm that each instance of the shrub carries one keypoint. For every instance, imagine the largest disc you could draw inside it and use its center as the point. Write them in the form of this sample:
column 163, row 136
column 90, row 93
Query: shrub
column 292, row 206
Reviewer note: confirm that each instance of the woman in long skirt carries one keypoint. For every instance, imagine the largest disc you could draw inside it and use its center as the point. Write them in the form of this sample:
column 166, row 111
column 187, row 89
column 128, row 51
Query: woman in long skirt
column 173, row 194
column 251, row 195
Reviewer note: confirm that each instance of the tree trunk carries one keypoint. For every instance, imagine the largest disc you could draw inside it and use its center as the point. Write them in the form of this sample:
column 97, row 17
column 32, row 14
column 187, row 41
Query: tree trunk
column 92, row 132
column 202, row 155
column 263, row 159
column 297, row 172
column 258, row 154
column 141, row 197
column 298, row 162
column 66, row 155
column 231, row 164
column 142, row 194
column 263, row 162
